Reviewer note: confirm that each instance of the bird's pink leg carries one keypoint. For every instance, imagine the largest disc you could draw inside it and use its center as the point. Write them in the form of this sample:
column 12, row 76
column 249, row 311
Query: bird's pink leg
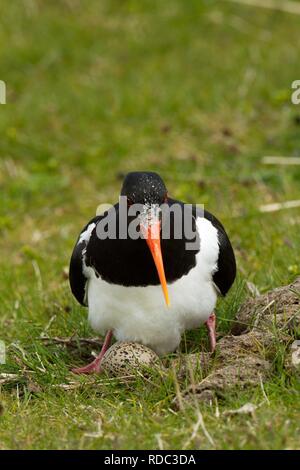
column 211, row 326
column 95, row 366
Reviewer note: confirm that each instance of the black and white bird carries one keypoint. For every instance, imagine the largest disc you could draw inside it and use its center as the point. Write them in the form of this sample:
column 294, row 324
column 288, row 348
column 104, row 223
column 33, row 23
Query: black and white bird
column 152, row 288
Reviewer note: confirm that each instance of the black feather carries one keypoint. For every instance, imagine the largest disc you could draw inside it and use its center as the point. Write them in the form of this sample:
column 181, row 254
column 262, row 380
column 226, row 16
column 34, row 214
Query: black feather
column 76, row 277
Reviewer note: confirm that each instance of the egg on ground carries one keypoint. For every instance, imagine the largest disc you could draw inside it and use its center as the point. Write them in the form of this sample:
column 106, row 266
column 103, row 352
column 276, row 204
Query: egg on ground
column 125, row 358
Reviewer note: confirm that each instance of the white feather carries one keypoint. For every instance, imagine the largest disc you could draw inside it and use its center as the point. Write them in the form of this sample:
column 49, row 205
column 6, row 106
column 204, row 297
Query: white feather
column 140, row 314
column 86, row 235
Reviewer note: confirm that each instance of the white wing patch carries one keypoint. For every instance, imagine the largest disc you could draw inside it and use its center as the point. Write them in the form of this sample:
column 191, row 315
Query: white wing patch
column 86, row 235
column 87, row 271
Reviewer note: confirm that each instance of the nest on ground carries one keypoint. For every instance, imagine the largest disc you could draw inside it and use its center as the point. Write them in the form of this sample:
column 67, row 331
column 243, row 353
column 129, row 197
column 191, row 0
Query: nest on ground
column 243, row 358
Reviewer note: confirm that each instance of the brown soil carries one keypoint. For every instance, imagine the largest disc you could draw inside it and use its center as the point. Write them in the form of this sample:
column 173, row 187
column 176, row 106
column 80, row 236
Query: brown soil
column 279, row 308
column 243, row 358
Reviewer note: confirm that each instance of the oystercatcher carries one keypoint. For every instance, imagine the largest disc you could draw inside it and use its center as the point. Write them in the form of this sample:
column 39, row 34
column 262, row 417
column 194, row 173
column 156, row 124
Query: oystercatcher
column 119, row 278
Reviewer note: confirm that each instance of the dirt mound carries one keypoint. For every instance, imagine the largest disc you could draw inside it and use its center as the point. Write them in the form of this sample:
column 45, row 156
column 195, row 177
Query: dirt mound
column 279, row 307
column 244, row 357
column 243, row 373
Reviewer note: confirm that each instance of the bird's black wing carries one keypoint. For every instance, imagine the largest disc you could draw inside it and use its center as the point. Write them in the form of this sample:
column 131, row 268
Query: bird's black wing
column 226, row 272
column 76, row 272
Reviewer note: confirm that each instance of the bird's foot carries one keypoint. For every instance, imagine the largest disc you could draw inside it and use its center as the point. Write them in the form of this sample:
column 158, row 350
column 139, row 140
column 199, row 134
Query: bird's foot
column 92, row 368
column 211, row 327
column 95, row 366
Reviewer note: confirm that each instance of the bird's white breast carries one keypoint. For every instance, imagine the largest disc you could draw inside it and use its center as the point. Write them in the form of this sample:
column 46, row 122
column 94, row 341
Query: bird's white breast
column 140, row 314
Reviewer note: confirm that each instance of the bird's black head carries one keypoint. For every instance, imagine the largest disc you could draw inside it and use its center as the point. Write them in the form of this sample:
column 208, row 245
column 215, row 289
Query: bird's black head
column 148, row 190
column 144, row 187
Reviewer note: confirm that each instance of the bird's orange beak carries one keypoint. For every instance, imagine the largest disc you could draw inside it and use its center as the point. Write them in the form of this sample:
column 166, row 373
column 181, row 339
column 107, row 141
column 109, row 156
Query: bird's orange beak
column 151, row 233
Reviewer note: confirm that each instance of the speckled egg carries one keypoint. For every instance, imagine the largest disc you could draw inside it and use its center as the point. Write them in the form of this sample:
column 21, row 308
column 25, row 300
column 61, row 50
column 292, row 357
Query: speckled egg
column 124, row 358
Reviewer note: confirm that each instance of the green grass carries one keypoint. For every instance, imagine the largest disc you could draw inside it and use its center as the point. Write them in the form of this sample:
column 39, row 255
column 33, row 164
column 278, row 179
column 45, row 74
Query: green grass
column 198, row 91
